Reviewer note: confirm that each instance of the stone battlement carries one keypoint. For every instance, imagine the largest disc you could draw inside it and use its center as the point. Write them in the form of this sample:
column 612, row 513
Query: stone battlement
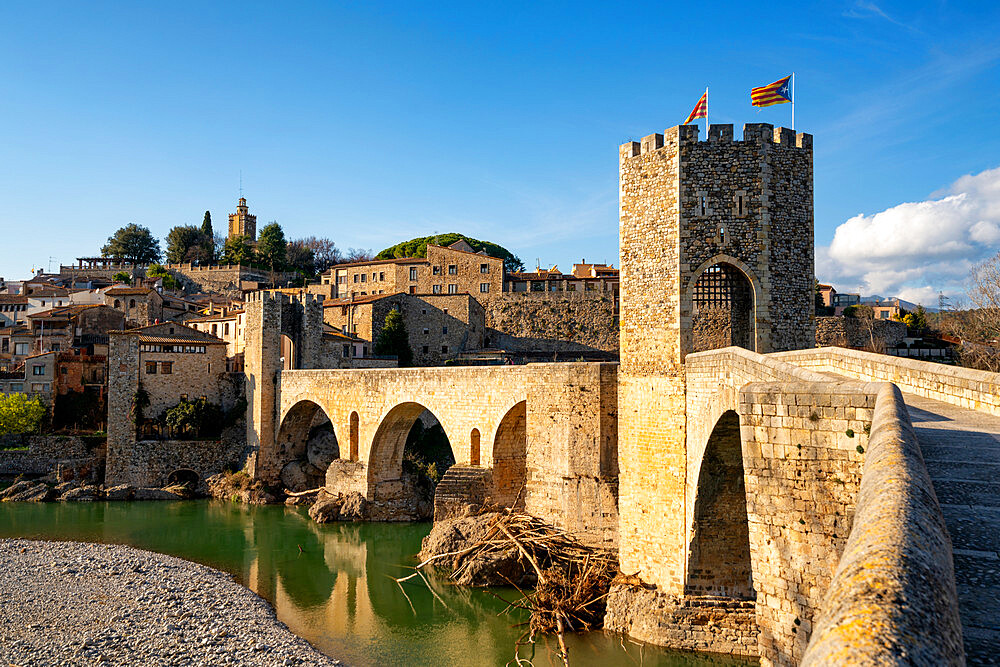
column 264, row 296
column 759, row 133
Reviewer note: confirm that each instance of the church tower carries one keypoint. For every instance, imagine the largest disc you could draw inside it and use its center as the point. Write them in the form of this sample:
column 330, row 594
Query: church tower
column 242, row 223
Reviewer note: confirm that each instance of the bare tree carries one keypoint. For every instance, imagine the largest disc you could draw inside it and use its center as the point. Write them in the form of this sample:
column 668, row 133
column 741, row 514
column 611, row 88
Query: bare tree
column 978, row 327
column 358, row 255
column 325, row 252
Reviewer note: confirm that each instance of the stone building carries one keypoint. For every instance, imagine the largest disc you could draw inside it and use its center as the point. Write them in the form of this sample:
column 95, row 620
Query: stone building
column 446, row 270
column 141, row 305
column 15, row 345
column 440, row 326
column 242, row 223
column 12, row 309
column 35, row 377
column 227, row 325
column 60, row 329
column 717, row 250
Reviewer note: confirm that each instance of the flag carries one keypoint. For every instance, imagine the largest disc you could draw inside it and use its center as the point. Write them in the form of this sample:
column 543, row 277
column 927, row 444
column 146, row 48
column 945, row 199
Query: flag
column 700, row 110
column 772, row 93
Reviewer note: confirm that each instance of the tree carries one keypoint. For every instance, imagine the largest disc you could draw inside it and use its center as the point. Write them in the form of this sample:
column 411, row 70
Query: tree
column 978, row 327
column 272, row 249
column 300, row 259
column 358, row 255
column 157, row 271
column 237, row 250
column 207, row 240
column 133, row 243
column 199, row 417
column 325, row 252
column 184, row 244
column 393, row 340
column 418, row 248
column 20, row 414
column 122, row 277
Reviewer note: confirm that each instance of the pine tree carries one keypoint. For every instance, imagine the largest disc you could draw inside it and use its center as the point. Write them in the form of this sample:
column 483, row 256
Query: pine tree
column 133, row 243
column 393, row 340
column 206, row 225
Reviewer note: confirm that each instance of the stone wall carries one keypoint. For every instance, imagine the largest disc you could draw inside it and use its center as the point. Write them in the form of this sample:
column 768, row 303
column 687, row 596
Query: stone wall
column 45, row 452
column 853, row 332
column 892, row 599
column 964, row 387
column 552, row 321
column 222, row 279
column 148, row 463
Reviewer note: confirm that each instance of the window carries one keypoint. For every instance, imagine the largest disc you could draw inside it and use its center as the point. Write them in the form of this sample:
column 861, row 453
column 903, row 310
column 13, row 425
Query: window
column 444, row 349
column 436, row 289
column 426, row 331
column 347, row 351
column 702, row 203
column 436, row 271
column 167, row 367
column 150, row 368
column 64, row 370
column 341, row 280
column 21, row 348
column 537, row 286
column 444, row 330
column 426, row 349
column 484, row 268
column 381, row 276
column 740, row 203
column 364, row 276
column 356, row 277
column 37, row 387
column 131, row 303
column 5, row 344
column 225, row 329
column 118, row 304
column 590, row 287
column 452, row 289
column 722, row 236
column 215, row 329
column 55, row 347
column 423, row 311
column 413, row 289
column 38, row 369
column 445, row 311
column 17, row 387
column 452, row 270
column 373, row 276
column 413, row 273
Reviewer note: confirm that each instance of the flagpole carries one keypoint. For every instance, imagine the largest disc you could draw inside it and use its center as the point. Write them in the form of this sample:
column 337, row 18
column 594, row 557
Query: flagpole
column 706, row 113
column 793, row 101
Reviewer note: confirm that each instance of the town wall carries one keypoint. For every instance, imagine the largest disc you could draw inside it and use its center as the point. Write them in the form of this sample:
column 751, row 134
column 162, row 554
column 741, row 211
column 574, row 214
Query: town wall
column 552, row 321
column 964, row 387
column 222, row 279
column 149, row 463
column 854, row 332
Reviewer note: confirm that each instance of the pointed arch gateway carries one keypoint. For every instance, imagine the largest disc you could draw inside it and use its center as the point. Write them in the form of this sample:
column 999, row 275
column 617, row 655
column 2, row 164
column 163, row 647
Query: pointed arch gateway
column 725, row 307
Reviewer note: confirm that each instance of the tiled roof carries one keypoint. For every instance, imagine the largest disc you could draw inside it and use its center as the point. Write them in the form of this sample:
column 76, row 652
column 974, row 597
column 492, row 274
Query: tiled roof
column 14, row 299
column 395, row 260
column 174, row 340
column 127, row 291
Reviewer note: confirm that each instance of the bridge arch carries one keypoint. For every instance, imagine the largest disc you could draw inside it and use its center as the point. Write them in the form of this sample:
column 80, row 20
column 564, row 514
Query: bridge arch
column 385, row 455
column 724, row 305
column 306, row 445
column 719, row 537
column 510, row 447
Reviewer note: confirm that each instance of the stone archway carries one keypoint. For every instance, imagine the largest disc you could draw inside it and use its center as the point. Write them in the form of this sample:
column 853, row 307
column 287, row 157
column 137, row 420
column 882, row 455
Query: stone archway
column 385, row 457
column 722, row 309
column 510, row 448
column 719, row 547
column 184, row 477
column 306, row 446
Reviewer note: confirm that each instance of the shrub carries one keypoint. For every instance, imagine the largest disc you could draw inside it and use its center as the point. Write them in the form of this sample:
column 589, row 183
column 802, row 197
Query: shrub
column 20, row 414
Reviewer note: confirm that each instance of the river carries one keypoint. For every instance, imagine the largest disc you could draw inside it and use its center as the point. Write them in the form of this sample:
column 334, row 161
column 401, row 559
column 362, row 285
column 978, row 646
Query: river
column 332, row 584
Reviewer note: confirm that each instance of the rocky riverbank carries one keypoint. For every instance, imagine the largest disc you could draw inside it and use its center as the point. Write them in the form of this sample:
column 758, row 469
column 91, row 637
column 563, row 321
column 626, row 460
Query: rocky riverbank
column 77, row 603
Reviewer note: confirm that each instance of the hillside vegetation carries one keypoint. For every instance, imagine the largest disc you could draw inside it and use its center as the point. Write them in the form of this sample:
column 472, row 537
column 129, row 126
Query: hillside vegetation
column 418, row 248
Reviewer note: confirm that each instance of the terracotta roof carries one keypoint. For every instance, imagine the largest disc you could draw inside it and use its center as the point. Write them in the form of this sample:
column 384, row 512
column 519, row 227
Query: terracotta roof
column 40, row 354
column 66, row 311
column 216, row 318
column 198, row 335
column 394, row 260
column 14, row 298
column 127, row 291
column 174, row 340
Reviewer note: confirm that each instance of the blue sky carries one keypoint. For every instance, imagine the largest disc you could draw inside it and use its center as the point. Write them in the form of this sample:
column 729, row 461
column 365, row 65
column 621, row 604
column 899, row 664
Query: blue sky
column 371, row 123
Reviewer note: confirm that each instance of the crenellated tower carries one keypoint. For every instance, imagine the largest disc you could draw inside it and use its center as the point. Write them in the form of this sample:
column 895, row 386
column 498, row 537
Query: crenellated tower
column 242, row 223
column 716, row 250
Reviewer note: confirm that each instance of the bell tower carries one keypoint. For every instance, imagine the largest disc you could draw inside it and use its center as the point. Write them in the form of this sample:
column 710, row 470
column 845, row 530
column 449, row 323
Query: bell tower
column 242, row 223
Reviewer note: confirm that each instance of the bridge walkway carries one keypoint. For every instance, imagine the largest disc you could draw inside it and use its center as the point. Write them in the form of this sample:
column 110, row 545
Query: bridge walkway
column 961, row 448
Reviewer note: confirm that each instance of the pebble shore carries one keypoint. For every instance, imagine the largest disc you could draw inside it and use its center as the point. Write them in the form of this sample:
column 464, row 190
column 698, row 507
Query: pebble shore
column 74, row 603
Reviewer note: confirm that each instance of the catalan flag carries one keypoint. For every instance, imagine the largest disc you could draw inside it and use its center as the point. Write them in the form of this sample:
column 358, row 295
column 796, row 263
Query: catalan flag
column 773, row 93
column 700, row 109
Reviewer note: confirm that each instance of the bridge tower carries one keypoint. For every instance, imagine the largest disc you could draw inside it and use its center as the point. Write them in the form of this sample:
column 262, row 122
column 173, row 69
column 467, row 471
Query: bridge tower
column 283, row 332
column 716, row 250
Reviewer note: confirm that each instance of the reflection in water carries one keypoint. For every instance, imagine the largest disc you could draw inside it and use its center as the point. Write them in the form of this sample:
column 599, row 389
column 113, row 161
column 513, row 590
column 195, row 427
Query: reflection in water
column 331, row 584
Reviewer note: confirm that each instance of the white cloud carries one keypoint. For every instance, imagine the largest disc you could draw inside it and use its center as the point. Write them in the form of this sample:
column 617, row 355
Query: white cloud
column 917, row 248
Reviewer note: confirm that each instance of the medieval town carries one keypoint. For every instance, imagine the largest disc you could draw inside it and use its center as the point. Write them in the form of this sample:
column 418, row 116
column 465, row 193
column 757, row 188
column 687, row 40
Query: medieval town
column 232, row 443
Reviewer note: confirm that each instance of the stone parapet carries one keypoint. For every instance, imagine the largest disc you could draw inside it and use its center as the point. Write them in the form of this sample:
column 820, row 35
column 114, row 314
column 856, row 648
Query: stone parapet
column 854, row 332
column 892, row 600
column 964, row 387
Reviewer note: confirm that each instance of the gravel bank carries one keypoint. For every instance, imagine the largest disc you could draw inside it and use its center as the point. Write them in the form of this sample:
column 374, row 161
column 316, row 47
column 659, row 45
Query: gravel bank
column 74, row 603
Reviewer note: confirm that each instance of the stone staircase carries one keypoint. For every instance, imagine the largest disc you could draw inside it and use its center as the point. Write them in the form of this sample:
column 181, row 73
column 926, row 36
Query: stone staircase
column 460, row 487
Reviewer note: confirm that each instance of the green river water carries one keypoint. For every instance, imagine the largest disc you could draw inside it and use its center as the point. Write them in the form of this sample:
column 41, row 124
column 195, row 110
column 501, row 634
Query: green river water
column 331, row 583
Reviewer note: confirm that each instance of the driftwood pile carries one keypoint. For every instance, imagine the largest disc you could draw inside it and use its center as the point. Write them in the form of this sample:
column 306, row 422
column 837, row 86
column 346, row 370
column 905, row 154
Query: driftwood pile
column 572, row 580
